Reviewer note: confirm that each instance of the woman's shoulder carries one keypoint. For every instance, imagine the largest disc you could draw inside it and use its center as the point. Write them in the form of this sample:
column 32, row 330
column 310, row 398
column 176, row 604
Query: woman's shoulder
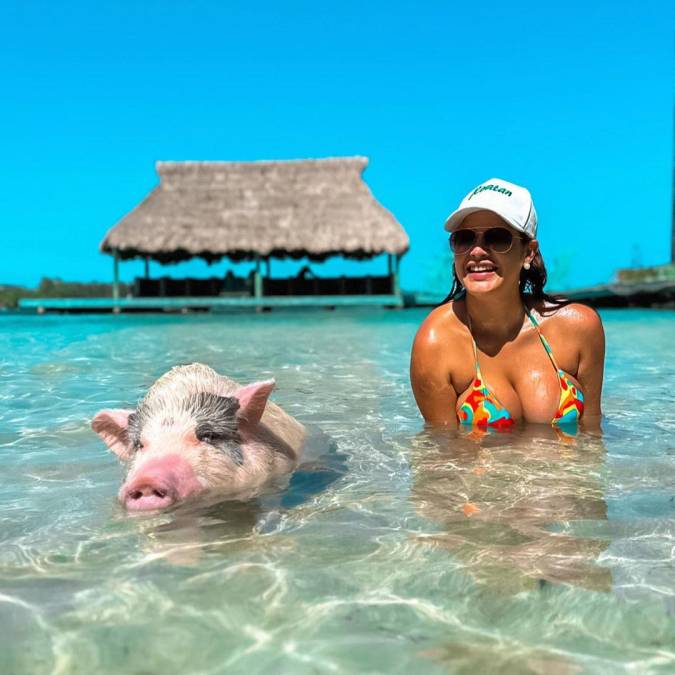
column 438, row 351
column 439, row 344
column 441, row 324
column 572, row 319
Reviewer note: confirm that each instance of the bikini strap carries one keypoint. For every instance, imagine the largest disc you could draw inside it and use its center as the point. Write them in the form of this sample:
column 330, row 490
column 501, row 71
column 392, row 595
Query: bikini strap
column 475, row 350
column 544, row 341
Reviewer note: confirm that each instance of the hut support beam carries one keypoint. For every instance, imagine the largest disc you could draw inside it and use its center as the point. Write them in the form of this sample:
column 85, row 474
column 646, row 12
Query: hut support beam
column 392, row 267
column 147, row 267
column 257, row 279
column 116, row 277
column 395, row 287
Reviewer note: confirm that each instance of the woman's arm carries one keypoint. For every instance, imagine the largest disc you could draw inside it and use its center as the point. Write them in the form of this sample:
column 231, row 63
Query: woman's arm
column 591, row 336
column 430, row 378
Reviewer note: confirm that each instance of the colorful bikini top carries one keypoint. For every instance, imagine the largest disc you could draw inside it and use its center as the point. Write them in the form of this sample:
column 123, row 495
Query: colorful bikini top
column 482, row 407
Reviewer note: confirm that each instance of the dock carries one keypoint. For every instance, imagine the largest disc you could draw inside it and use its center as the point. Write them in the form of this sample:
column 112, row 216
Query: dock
column 633, row 287
column 656, row 294
column 205, row 304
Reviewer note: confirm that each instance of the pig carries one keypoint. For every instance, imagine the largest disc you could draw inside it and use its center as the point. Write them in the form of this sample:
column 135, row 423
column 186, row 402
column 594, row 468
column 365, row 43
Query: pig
column 197, row 432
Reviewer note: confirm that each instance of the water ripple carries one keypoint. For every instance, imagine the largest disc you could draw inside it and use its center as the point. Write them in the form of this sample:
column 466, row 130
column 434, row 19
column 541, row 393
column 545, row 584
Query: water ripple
column 398, row 549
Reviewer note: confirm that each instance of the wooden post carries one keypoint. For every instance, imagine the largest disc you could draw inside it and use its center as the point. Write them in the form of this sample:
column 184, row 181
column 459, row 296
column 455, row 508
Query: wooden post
column 147, row 267
column 268, row 268
column 257, row 279
column 394, row 278
column 116, row 276
column 392, row 266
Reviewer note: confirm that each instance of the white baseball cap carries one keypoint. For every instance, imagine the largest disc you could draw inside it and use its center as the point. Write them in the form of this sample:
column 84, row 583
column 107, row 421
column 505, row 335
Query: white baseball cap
column 511, row 202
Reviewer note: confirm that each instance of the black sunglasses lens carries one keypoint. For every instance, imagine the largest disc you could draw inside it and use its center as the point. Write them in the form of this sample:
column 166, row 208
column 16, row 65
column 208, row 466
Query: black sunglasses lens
column 499, row 239
column 462, row 240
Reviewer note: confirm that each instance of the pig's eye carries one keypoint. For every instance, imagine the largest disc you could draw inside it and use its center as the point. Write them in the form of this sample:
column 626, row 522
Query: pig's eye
column 206, row 435
column 138, row 445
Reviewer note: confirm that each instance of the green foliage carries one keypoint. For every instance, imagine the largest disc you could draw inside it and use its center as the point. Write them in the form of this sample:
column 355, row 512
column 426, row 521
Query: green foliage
column 56, row 288
column 9, row 296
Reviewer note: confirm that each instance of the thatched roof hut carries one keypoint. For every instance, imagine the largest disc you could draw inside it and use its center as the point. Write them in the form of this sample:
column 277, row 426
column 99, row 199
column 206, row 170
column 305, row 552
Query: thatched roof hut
column 312, row 208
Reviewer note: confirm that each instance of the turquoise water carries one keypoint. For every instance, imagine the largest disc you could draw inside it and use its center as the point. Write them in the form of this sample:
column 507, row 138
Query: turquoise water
column 391, row 550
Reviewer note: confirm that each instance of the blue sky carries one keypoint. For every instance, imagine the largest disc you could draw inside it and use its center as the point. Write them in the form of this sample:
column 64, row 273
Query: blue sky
column 573, row 101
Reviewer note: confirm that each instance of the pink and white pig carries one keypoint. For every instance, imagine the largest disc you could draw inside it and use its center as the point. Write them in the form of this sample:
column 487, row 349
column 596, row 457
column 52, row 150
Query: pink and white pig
column 195, row 432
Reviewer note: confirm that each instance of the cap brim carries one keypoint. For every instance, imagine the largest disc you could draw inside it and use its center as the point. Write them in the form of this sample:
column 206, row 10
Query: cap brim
column 455, row 219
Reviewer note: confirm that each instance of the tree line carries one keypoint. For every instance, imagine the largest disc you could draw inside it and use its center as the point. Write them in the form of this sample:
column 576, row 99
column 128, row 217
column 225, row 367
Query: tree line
column 56, row 288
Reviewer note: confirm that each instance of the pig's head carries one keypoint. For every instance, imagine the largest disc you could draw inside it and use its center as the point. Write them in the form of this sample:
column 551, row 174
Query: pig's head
column 178, row 444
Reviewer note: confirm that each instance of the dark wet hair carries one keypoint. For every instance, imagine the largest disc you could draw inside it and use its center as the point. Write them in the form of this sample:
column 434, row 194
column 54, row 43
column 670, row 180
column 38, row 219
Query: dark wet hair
column 531, row 286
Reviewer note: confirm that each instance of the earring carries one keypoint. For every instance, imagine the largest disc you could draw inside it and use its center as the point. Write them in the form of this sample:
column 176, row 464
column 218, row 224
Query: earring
column 526, row 266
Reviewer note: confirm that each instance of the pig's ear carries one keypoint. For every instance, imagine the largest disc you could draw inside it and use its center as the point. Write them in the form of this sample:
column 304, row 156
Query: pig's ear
column 112, row 425
column 252, row 401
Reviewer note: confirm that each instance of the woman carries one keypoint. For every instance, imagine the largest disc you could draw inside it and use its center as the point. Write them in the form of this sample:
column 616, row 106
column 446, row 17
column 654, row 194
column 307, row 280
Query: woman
column 501, row 350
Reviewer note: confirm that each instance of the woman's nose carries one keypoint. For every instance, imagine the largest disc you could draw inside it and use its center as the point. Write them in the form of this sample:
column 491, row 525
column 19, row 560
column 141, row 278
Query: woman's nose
column 478, row 247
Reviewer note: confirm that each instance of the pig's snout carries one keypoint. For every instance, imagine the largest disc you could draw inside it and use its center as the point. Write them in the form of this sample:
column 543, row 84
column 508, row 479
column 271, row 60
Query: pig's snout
column 147, row 497
column 158, row 483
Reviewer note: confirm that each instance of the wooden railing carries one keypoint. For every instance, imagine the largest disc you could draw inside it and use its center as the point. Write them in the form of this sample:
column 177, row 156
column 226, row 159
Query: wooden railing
column 166, row 287
column 368, row 285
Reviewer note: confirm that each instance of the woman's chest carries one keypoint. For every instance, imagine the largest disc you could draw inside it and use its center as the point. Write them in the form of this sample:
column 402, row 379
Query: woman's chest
column 520, row 377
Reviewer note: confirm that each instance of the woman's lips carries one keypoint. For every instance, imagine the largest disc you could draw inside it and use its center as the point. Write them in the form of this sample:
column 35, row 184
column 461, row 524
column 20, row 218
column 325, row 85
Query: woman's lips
column 480, row 276
column 480, row 271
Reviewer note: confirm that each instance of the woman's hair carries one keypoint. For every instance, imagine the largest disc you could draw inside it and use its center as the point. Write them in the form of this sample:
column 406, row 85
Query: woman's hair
column 531, row 285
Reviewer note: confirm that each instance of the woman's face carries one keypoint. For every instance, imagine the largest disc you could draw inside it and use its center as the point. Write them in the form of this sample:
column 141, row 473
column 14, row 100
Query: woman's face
column 482, row 269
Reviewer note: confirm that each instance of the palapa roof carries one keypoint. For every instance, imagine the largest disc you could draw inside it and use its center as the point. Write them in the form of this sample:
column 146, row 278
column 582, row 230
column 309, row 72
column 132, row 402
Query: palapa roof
column 311, row 208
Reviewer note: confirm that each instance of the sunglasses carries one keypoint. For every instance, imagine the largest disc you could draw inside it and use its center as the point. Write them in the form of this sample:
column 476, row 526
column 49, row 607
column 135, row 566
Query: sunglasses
column 497, row 239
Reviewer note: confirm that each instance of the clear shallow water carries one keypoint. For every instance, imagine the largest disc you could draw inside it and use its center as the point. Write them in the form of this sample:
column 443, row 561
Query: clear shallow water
column 400, row 551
